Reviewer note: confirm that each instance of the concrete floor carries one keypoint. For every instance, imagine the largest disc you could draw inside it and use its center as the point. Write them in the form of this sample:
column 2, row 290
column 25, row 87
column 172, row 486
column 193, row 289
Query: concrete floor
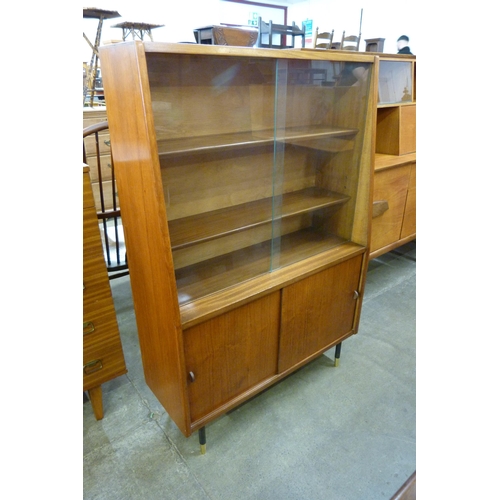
column 324, row 433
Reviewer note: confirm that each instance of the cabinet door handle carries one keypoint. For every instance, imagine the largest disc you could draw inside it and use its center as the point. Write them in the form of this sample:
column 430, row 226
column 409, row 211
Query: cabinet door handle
column 356, row 295
column 92, row 366
column 192, row 378
column 379, row 207
column 88, row 327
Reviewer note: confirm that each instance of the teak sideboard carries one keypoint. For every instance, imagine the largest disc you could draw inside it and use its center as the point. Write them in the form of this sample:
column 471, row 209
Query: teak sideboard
column 395, row 181
column 245, row 180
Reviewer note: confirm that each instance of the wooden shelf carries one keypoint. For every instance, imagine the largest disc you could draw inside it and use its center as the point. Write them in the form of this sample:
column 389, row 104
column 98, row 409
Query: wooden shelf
column 199, row 228
column 236, row 267
column 221, row 142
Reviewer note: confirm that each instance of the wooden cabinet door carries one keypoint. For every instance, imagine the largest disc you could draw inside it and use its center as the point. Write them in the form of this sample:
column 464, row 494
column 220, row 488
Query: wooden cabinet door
column 318, row 311
column 390, row 186
column 231, row 353
column 410, row 218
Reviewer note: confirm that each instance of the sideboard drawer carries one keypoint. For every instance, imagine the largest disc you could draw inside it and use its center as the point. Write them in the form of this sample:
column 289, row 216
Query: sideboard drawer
column 102, row 360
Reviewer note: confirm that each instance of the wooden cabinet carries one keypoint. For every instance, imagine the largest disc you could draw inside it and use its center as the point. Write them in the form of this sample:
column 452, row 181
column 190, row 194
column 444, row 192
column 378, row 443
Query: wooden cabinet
column 102, row 349
column 245, row 191
column 394, row 193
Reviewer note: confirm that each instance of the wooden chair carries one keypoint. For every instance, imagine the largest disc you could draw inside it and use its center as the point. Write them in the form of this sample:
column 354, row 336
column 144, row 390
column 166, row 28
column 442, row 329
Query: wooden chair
column 97, row 155
column 353, row 42
column 322, row 40
column 284, row 33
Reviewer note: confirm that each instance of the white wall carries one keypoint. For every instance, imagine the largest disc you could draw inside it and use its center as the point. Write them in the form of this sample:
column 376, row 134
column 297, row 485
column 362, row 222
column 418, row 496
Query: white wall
column 381, row 19
column 179, row 18
column 387, row 19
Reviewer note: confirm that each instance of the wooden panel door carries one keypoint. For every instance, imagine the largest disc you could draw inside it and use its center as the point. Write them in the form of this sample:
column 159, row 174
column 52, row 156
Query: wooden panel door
column 410, row 218
column 231, row 353
column 318, row 311
column 390, row 187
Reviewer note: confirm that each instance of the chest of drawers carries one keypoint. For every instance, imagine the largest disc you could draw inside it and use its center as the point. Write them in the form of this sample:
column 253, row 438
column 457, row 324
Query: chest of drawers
column 103, row 357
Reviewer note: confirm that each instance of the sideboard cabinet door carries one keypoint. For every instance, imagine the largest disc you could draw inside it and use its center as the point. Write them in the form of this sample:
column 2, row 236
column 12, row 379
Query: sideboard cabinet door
column 231, row 353
column 318, row 311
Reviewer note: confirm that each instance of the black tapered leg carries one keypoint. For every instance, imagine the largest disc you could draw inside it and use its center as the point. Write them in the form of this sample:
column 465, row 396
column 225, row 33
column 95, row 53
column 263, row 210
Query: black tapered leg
column 338, row 347
column 203, row 440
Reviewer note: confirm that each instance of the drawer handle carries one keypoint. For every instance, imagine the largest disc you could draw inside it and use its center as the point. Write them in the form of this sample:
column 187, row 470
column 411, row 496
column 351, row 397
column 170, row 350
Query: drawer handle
column 379, row 207
column 192, row 377
column 88, row 327
column 92, row 366
column 356, row 295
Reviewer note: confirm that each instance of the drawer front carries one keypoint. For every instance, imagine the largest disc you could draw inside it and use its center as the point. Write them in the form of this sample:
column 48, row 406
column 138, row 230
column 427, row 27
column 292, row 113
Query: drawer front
column 92, row 116
column 102, row 356
column 389, row 191
column 100, row 314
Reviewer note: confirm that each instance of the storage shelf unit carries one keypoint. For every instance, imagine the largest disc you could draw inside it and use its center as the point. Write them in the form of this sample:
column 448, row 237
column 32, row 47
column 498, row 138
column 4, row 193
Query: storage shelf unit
column 245, row 194
column 394, row 192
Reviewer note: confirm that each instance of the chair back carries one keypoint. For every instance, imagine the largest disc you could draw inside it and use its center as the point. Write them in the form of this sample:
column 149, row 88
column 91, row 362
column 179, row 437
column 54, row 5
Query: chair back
column 97, row 155
column 322, row 40
column 350, row 42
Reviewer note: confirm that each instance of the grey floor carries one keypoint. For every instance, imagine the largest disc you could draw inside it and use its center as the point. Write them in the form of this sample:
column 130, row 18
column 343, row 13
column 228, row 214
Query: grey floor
column 343, row 433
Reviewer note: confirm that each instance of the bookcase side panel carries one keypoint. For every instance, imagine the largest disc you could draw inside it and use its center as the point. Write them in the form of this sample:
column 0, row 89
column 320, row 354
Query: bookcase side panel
column 148, row 246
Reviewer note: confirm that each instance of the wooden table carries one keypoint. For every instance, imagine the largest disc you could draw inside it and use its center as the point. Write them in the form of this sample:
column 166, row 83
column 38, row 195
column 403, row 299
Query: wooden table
column 137, row 29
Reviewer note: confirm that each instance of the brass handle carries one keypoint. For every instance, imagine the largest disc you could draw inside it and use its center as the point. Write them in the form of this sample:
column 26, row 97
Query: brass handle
column 356, row 295
column 192, row 377
column 88, row 327
column 92, row 366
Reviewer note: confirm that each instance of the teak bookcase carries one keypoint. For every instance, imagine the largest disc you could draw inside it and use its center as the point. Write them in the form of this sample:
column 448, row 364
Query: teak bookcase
column 245, row 181
column 394, row 192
